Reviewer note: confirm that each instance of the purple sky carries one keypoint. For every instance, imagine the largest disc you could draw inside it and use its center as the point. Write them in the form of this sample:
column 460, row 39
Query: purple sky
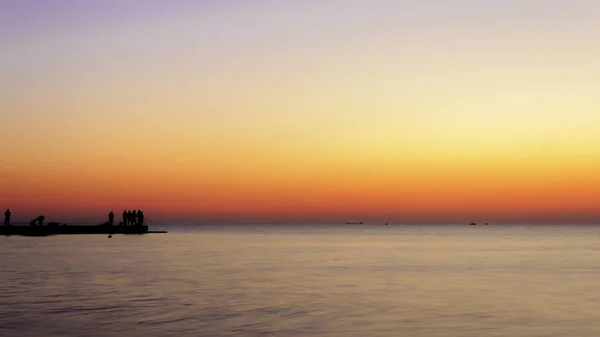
column 31, row 16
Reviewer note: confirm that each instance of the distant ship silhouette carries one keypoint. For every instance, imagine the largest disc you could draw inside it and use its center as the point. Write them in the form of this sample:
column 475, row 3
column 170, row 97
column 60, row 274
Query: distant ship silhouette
column 354, row 223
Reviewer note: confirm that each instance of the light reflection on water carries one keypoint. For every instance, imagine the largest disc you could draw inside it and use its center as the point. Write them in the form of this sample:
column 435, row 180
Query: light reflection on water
column 305, row 281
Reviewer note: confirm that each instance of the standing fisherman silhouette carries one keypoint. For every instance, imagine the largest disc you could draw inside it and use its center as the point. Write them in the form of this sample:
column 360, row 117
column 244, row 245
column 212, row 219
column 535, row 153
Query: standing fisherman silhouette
column 140, row 217
column 124, row 218
column 111, row 218
column 131, row 218
column 7, row 217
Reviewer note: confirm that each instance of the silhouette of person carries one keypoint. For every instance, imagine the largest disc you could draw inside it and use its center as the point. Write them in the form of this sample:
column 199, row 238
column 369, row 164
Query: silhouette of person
column 7, row 217
column 111, row 218
column 40, row 219
column 124, row 218
column 131, row 218
column 140, row 217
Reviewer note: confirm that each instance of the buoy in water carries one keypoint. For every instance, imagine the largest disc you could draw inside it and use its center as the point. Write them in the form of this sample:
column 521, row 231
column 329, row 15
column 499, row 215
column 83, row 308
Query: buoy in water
column 109, row 236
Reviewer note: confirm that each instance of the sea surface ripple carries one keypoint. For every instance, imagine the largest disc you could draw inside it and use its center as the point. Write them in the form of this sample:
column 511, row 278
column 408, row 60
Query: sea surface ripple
column 305, row 281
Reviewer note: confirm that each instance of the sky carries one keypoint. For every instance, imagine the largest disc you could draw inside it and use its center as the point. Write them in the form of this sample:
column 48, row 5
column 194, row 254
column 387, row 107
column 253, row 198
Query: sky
column 403, row 111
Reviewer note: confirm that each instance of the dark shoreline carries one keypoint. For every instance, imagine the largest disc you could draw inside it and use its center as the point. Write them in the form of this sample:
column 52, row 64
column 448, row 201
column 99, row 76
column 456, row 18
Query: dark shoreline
column 74, row 230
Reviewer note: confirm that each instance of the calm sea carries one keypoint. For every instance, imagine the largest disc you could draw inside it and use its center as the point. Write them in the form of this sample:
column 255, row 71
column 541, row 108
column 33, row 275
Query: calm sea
column 306, row 281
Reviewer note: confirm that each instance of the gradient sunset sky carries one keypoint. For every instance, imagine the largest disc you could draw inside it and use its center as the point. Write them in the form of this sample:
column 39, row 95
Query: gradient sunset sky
column 429, row 111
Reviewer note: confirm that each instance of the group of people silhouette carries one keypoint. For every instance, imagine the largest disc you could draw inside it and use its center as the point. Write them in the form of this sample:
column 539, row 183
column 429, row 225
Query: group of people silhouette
column 130, row 218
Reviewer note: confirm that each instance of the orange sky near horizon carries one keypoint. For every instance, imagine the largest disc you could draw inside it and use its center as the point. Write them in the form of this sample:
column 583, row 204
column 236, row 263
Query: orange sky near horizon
column 316, row 112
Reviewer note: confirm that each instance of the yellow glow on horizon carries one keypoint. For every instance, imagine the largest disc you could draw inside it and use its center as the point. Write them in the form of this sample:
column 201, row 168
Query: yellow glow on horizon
column 423, row 120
